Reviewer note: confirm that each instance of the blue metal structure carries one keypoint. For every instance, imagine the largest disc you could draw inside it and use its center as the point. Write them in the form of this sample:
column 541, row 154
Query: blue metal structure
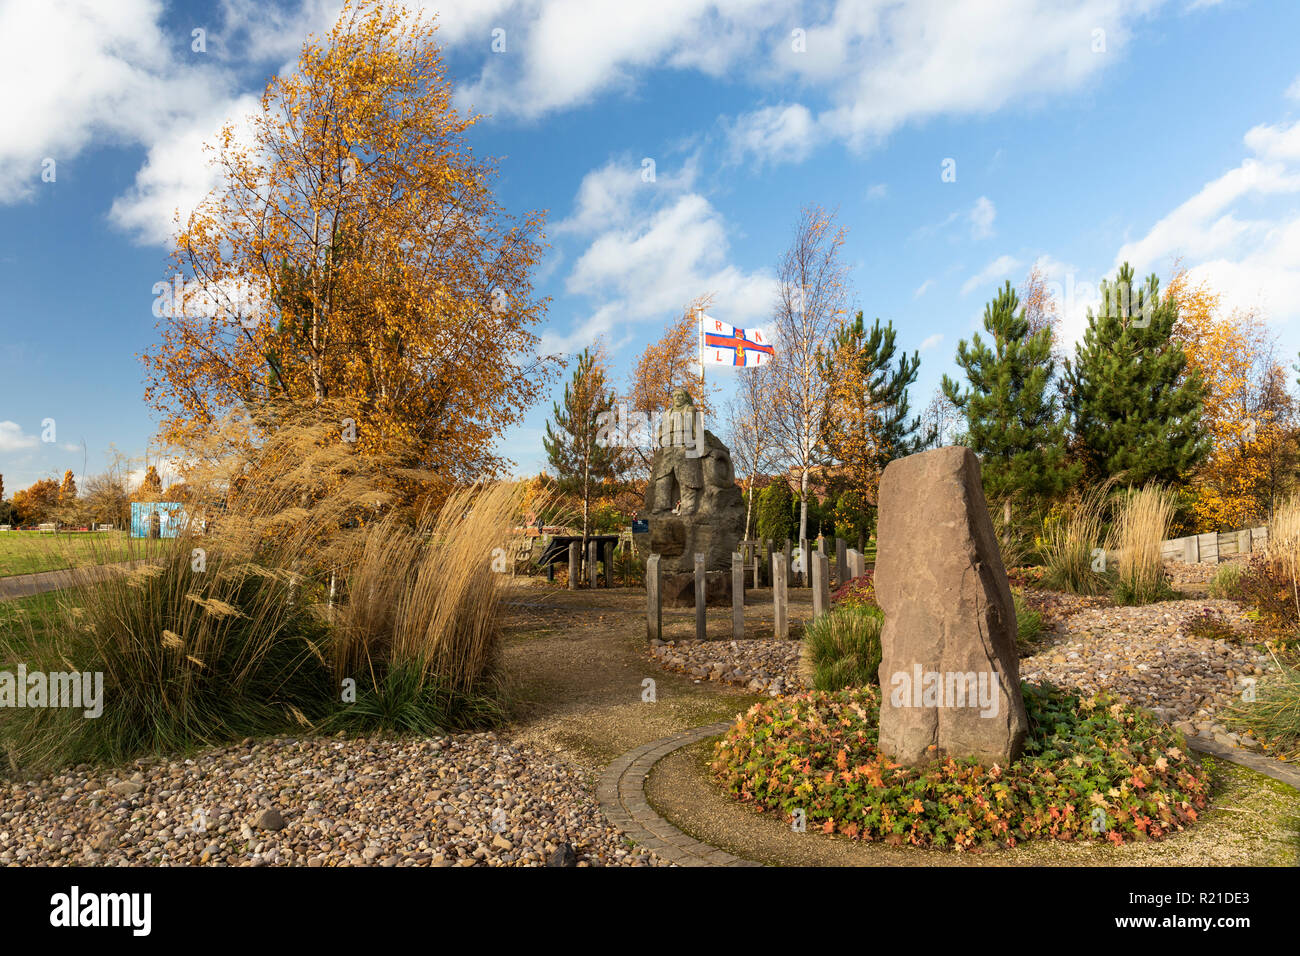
column 170, row 516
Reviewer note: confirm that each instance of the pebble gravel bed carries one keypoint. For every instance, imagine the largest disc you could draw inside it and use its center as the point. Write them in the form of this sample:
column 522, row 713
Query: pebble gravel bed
column 1142, row 654
column 461, row 800
column 1202, row 573
column 763, row 666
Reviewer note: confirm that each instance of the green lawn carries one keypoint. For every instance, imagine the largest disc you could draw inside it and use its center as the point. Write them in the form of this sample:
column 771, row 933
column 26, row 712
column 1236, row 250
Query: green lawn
column 26, row 552
column 23, row 622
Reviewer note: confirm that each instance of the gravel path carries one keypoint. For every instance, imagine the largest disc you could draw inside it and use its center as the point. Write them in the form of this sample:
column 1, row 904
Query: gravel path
column 463, row 800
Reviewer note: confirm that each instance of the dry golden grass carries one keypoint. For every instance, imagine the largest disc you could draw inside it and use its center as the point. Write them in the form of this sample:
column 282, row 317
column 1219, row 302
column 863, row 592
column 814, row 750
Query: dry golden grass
column 1141, row 524
column 1069, row 542
column 301, row 567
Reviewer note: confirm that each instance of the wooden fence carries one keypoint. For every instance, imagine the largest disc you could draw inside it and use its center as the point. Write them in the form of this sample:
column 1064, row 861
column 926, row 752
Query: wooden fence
column 1213, row 547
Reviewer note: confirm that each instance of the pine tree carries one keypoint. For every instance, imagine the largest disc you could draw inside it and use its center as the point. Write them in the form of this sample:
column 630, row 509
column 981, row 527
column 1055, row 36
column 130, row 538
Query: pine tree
column 1011, row 418
column 1134, row 408
column 861, row 359
column 867, row 424
column 581, row 463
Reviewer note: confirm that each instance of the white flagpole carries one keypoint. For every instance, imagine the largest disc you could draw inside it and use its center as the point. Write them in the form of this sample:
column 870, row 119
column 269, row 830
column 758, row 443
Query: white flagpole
column 700, row 320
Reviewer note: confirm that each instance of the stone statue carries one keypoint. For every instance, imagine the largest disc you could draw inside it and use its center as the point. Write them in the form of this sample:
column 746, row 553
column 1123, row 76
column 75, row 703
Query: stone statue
column 692, row 502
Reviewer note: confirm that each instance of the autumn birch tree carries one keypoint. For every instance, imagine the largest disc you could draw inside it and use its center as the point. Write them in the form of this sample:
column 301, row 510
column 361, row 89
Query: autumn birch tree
column 353, row 251
column 812, row 292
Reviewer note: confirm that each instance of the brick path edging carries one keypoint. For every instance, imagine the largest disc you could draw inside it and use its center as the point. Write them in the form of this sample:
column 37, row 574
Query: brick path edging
column 621, row 795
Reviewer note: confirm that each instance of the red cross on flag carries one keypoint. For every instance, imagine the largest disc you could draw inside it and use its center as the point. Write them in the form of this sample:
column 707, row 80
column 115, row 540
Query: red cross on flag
column 727, row 345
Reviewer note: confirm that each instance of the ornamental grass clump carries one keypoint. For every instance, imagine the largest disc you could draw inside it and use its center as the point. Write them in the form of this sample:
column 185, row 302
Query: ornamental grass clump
column 1283, row 549
column 1141, row 525
column 841, row 648
column 1273, row 716
column 1093, row 770
column 419, row 631
column 1070, row 542
column 1226, row 582
column 307, row 590
column 196, row 646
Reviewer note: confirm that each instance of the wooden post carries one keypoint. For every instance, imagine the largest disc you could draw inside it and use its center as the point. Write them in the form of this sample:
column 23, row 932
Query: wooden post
column 821, row 581
column 780, row 568
column 841, row 561
column 592, row 580
column 609, row 564
column 754, row 558
column 653, row 600
column 1192, row 550
column 805, row 560
column 701, row 630
column 738, row 596
column 575, row 563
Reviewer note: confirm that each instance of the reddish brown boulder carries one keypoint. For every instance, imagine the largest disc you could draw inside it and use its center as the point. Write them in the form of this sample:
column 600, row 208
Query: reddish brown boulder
column 949, row 672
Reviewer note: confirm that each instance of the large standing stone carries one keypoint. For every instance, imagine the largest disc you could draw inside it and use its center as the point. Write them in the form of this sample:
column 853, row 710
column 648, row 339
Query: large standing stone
column 949, row 673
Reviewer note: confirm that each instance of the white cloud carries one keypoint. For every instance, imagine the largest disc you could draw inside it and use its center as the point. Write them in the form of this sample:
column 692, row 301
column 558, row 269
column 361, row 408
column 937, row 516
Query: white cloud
column 564, row 53
column 177, row 174
column 774, row 134
column 981, row 218
column 878, row 191
column 12, row 438
column 883, row 64
column 91, row 72
column 1293, row 91
column 997, row 271
column 923, row 288
column 653, row 248
column 1241, row 231
column 932, row 341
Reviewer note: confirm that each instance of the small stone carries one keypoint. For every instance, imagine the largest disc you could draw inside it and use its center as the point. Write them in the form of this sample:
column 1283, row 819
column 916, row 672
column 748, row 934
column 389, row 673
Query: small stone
column 563, row 856
column 501, row 843
column 127, row 788
column 106, row 840
column 269, row 819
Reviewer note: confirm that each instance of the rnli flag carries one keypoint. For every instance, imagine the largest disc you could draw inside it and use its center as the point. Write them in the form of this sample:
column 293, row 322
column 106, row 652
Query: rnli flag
column 727, row 345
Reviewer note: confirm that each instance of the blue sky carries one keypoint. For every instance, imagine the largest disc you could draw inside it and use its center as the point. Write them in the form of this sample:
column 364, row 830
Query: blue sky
column 1179, row 138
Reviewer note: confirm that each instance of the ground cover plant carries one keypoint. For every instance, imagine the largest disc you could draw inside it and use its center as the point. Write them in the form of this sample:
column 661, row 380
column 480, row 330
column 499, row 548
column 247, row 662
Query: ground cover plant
column 859, row 591
column 1210, row 625
column 1093, row 769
